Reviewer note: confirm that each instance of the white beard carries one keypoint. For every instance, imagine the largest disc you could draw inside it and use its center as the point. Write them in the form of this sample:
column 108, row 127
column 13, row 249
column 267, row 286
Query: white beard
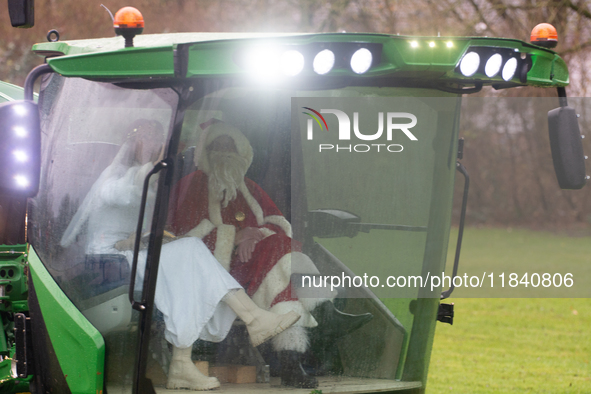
column 227, row 170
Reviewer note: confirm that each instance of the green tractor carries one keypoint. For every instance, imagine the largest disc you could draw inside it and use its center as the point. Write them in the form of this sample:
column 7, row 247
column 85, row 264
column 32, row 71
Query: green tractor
column 368, row 208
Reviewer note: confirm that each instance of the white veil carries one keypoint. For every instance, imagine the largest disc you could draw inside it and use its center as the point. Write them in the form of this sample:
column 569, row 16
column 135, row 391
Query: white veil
column 117, row 168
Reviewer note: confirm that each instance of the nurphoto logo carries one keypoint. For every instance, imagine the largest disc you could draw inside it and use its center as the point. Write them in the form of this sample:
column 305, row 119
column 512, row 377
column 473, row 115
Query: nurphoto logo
column 393, row 125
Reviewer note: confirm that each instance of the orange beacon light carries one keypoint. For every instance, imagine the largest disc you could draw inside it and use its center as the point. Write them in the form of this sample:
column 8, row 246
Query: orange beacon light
column 128, row 22
column 544, row 35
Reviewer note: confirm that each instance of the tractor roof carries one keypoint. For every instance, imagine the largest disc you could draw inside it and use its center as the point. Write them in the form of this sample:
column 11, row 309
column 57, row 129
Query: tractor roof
column 218, row 54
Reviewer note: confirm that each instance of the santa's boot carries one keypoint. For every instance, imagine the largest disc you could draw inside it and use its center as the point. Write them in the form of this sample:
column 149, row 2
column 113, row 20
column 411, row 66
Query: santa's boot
column 183, row 374
column 261, row 324
column 292, row 373
column 334, row 324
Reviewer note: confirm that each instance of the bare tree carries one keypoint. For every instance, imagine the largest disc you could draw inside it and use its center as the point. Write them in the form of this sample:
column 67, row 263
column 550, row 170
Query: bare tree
column 512, row 176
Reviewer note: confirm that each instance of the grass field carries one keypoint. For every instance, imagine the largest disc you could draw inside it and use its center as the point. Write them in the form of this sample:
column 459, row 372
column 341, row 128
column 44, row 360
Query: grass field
column 515, row 345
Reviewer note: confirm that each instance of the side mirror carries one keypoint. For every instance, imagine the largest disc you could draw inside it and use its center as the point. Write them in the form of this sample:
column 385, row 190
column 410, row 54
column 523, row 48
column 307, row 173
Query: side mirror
column 20, row 151
column 567, row 148
column 22, row 13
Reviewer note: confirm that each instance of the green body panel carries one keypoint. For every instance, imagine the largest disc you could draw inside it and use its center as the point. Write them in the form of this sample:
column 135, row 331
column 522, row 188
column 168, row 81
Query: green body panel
column 9, row 384
column 77, row 47
column 79, row 347
column 13, row 279
column 133, row 62
column 214, row 54
column 9, row 92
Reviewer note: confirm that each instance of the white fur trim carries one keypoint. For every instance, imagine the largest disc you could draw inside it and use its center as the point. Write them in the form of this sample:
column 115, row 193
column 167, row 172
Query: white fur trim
column 279, row 221
column 252, row 203
column 294, row 338
column 217, row 130
column 302, row 264
column 224, row 245
column 306, row 319
column 201, row 230
column 267, row 232
column 274, row 283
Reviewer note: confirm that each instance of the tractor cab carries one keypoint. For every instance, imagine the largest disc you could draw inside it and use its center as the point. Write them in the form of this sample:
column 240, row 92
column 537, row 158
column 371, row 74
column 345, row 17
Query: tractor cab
column 88, row 141
column 354, row 139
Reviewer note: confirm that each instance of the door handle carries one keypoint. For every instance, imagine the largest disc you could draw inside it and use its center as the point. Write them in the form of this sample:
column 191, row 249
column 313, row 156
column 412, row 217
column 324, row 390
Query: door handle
column 140, row 306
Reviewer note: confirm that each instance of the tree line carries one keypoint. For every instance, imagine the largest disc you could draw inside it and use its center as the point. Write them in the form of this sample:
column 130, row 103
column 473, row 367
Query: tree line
column 511, row 172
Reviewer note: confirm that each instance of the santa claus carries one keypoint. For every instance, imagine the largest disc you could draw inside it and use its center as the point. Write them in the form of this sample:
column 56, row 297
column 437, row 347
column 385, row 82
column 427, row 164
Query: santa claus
column 250, row 237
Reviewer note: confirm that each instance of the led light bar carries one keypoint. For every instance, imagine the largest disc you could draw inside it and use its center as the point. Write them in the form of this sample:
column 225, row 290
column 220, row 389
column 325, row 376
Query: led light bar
column 21, row 143
column 313, row 59
column 497, row 64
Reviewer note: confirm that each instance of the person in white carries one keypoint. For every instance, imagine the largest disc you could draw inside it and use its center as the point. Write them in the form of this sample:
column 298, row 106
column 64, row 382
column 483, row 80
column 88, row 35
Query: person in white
column 198, row 298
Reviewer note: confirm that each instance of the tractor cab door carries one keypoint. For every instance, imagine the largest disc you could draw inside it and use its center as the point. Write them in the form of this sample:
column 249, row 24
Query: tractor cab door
column 99, row 144
column 362, row 208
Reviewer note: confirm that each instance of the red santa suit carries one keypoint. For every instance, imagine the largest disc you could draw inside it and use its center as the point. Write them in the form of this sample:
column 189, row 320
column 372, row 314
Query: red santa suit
column 266, row 276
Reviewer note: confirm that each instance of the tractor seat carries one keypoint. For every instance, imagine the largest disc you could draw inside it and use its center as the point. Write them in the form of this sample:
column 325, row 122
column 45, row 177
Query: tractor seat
column 103, row 289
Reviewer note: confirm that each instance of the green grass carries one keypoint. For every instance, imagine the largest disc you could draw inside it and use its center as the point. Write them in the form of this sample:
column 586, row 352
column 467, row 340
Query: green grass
column 515, row 345
column 522, row 251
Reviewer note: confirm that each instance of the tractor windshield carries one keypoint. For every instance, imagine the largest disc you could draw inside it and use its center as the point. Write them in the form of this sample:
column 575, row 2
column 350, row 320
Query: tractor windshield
column 335, row 185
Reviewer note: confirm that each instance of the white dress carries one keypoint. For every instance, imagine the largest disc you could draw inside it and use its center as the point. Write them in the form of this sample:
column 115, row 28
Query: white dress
column 191, row 283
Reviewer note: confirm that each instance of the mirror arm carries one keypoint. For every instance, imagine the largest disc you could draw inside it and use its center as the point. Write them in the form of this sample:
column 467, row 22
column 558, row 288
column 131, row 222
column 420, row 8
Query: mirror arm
column 32, row 77
column 460, row 167
column 562, row 96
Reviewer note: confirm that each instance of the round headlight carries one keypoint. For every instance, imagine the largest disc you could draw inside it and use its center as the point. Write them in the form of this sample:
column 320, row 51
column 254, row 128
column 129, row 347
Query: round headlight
column 20, row 110
column 493, row 65
column 262, row 62
column 20, row 156
column 323, row 62
column 292, row 62
column 469, row 64
column 19, row 131
column 21, row 181
column 361, row 61
column 509, row 69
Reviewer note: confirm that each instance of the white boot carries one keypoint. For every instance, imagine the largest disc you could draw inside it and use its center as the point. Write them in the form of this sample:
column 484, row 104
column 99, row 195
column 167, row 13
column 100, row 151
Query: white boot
column 183, row 374
column 261, row 324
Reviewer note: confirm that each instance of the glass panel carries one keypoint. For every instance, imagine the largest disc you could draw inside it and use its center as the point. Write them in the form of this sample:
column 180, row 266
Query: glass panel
column 100, row 141
column 244, row 163
column 378, row 206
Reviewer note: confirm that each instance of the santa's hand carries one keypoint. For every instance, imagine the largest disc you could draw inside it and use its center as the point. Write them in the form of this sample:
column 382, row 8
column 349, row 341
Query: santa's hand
column 248, row 233
column 245, row 250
